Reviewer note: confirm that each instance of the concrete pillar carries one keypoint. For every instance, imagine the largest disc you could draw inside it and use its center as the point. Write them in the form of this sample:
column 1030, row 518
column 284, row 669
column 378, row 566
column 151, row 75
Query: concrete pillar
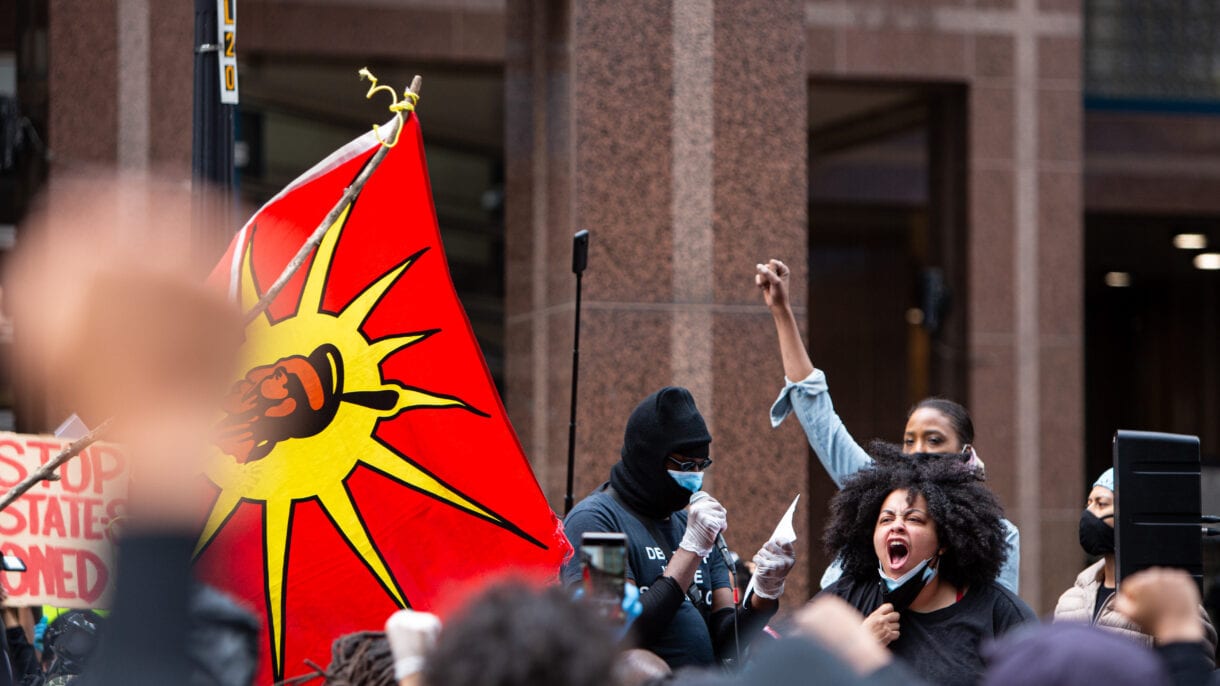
column 675, row 132
column 1021, row 63
column 120, row 84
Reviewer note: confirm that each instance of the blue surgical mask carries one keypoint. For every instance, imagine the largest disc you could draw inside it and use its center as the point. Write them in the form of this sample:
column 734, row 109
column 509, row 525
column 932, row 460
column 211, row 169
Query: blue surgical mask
column 691, row 481
column 922, row 567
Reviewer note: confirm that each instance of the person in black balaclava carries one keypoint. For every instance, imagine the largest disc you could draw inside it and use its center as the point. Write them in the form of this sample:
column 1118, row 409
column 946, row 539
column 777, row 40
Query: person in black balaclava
column 1091, row 599
column 688, row 613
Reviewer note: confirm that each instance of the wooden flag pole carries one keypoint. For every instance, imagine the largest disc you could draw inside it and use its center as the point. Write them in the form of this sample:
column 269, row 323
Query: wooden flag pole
column 47, row 471
column 349, row 194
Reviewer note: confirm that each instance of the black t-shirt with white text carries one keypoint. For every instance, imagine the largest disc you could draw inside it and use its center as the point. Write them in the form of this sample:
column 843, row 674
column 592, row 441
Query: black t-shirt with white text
column 687, row 640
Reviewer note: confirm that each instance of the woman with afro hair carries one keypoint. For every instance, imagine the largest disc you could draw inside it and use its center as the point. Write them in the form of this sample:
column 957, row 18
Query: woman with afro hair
column 921, row 542
column 933, row 425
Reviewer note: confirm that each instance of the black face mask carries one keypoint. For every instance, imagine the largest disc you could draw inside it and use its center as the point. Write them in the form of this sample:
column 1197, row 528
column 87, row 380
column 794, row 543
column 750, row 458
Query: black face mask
column 1096, row 537
column 906, row 593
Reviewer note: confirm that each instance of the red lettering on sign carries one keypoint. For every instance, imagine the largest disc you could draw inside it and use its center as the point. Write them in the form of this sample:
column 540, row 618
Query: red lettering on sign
column 44, row 449
column 85, row 561
column 80, row 468
column 66, row 591
column 33, row 499
column 40, row 570
column 107, row 464
column 61, row 573
column 53, row 518
column 9, row 452
column 12, row 522
column 92, row 532
column 73, row 514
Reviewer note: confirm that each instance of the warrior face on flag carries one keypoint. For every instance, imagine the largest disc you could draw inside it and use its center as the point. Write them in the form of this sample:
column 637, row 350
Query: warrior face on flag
column 365, row 462
column 296, row 397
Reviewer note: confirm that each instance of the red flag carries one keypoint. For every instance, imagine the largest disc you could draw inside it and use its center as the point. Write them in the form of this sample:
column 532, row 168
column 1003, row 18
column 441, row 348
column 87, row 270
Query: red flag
column 366, row 461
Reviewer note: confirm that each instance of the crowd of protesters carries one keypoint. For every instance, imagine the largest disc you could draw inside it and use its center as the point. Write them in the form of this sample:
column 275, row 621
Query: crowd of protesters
column 923, row 588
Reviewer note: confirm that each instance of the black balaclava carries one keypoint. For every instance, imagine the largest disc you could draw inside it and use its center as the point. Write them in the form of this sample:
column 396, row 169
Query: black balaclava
column 663, row 423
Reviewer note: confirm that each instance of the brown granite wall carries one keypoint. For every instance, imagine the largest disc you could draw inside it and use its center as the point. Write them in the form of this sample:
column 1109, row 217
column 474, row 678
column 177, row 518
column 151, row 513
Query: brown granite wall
column 120, row 84
column 119, row 97
column 83, row 81
column 760, row 212
column 171, row 78
column 1144, row 163
column 1021, row 63
column 464, row 31
column 675, row 133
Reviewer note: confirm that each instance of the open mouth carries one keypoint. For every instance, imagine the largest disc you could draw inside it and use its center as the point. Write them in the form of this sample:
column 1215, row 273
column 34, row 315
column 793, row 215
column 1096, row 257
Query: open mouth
column 898, row 552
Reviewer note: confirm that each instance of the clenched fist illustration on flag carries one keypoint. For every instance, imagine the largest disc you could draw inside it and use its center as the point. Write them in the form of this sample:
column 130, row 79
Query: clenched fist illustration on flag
column 365, row 462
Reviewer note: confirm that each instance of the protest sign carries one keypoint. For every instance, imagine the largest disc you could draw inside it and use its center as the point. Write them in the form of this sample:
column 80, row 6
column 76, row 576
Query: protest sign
column 63, row 530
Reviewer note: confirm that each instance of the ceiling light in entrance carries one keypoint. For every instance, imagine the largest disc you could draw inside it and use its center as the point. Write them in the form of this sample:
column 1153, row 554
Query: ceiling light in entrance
column 1207, row 260
column 1118, row 279
column 1190, row 241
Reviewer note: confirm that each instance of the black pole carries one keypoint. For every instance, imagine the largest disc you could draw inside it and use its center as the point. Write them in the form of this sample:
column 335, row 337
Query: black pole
column 580, row 260
column 212, row 133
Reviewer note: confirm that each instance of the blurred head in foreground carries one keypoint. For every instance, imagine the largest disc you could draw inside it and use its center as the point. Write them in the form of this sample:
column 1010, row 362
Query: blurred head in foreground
column 515, row 636
column 1070, row 655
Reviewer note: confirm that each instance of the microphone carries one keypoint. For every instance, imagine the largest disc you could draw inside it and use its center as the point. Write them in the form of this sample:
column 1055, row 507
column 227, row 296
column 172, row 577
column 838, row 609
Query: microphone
column 720, row 544
column 728, row 566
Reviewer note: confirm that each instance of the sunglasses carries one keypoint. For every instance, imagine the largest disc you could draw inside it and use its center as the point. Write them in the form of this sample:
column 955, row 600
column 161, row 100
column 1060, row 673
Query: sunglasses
column 689, row 465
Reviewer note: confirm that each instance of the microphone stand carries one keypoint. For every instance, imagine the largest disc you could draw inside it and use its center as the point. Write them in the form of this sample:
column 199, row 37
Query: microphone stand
column 580, row 260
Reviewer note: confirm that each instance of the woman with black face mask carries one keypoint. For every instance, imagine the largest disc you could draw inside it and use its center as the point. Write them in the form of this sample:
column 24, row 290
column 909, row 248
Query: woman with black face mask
column 1092, row 599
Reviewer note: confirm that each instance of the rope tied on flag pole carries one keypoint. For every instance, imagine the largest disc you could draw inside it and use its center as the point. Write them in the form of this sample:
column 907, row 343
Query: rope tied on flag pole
column 400, row 108
column 410, row 97
column 405, row 105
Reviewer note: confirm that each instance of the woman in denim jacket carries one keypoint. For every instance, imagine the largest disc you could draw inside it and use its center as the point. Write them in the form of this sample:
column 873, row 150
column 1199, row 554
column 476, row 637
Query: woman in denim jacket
column 934, row 425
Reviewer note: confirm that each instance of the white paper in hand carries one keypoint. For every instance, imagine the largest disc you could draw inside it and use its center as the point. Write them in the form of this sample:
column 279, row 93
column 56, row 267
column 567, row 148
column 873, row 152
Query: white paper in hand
column 784, row 533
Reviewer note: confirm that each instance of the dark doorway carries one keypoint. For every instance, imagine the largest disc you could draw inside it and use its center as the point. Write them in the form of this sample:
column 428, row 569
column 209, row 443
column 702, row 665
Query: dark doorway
column 1152, row 344
column 886, row 255
column 1152, row 332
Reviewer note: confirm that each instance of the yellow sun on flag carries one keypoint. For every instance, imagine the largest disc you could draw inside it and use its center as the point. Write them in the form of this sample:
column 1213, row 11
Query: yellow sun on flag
column 303, row 418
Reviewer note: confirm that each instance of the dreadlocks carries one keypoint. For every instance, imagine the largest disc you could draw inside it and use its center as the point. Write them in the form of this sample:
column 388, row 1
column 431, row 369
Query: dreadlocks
column 967, row 515
column 361, row 659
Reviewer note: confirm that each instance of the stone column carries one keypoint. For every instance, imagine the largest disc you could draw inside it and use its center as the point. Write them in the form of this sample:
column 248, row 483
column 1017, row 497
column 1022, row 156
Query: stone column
column 1021, row 63
column 119, row 98
column 120, row 84
column 1026, row 282
column 674, row 131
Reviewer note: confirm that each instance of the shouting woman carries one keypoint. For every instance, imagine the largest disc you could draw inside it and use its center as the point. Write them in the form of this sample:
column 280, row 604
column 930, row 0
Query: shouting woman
column 921, row 541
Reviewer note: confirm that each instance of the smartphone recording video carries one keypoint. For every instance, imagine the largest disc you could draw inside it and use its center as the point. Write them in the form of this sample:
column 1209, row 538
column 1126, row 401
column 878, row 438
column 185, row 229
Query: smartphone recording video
column 11, row 563
column 603, row 559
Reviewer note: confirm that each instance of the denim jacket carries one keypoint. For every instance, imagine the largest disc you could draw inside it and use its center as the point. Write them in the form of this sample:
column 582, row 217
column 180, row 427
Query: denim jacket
column 809, row 398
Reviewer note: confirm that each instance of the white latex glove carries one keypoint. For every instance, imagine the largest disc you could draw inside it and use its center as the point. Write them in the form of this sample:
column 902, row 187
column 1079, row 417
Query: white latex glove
column 411, row 635
column 772, row 563
column 706, row 518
